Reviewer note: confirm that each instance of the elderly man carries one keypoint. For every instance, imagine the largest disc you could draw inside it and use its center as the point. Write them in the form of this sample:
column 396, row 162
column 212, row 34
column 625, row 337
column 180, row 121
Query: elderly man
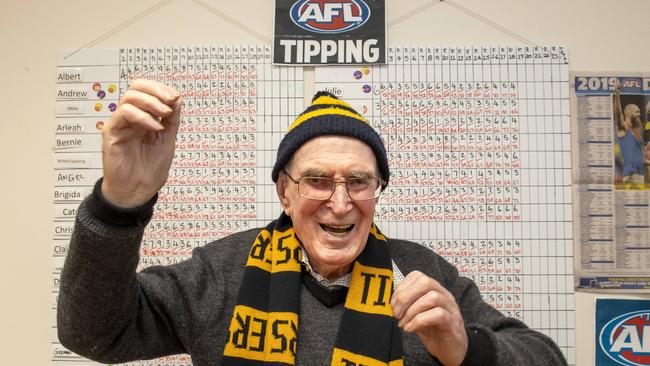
column 319, row 285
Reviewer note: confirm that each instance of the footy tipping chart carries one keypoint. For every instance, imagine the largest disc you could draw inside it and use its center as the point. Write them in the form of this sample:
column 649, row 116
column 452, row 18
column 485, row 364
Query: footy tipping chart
column 236, row 109
column 479, row 146
column 478, row 142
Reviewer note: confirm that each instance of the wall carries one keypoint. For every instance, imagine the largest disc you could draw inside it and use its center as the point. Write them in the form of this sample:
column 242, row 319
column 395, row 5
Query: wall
column 600, row 35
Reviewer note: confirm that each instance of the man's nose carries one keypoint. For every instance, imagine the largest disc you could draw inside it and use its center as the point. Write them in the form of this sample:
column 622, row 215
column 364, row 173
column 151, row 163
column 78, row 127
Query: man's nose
column 340, row 201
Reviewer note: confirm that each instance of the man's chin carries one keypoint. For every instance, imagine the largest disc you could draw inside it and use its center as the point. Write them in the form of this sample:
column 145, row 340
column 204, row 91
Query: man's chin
column 336, row 251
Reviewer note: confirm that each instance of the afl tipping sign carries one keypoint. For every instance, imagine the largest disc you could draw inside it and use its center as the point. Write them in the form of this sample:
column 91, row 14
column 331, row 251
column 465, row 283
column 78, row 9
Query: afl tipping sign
column 320, row 32
column 329, row 17
column 626, row 338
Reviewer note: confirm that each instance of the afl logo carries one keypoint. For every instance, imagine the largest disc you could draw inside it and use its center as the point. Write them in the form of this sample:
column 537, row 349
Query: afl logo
column 329, row 16
column 626, row 338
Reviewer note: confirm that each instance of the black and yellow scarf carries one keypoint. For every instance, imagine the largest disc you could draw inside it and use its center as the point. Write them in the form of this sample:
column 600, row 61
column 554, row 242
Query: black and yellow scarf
column 264, row 326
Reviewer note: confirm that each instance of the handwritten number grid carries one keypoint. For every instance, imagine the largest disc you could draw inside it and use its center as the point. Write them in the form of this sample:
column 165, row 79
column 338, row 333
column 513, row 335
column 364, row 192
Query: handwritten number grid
column 478, row 141
column 479, row 145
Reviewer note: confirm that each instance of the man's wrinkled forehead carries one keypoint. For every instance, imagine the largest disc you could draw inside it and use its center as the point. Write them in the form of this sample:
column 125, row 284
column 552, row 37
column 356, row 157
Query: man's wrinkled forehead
column 295, row 162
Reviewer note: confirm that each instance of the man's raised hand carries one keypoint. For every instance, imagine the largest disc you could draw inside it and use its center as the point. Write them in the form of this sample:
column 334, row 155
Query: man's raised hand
column 138, row 143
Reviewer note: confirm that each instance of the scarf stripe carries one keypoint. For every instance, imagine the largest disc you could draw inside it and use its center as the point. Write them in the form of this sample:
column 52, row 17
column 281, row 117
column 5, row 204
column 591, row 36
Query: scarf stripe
column 368, row 311
column 245, row 362
column 264, row 325
column 263, row 291
column 343, row 357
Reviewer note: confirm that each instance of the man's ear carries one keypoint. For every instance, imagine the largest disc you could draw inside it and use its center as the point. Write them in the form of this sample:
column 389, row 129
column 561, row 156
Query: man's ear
column 281, row 190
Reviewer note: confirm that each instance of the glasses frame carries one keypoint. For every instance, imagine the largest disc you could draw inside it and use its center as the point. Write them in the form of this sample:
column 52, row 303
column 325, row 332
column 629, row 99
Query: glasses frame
column 382, row 185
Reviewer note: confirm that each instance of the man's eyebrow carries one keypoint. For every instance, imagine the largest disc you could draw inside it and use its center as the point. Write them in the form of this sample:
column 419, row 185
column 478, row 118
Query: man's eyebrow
column 314, row 172
column 361, row 174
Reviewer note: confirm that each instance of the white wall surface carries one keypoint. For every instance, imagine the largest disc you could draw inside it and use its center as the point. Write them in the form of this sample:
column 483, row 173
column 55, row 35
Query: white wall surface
column 600, row 36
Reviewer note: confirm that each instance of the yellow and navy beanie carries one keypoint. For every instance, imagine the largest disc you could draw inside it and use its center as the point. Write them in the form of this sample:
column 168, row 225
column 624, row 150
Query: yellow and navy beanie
column 328, row 115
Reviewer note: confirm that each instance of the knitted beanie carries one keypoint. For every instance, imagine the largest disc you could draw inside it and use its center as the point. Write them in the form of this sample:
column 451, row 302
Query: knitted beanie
column 328, row 115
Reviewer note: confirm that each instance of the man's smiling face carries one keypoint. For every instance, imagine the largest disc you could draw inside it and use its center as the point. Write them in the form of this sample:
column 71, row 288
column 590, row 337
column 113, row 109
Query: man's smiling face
column 333, row 231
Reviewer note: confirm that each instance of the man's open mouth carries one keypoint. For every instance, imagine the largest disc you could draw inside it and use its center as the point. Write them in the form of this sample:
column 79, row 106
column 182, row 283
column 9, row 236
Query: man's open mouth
column 337, row 230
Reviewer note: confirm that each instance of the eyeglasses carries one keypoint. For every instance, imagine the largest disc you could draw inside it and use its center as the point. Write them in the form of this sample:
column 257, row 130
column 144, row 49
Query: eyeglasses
column 322, row 188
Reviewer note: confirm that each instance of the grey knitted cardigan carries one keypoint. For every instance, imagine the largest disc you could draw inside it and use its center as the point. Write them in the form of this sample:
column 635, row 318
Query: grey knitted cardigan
column 109, row 313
